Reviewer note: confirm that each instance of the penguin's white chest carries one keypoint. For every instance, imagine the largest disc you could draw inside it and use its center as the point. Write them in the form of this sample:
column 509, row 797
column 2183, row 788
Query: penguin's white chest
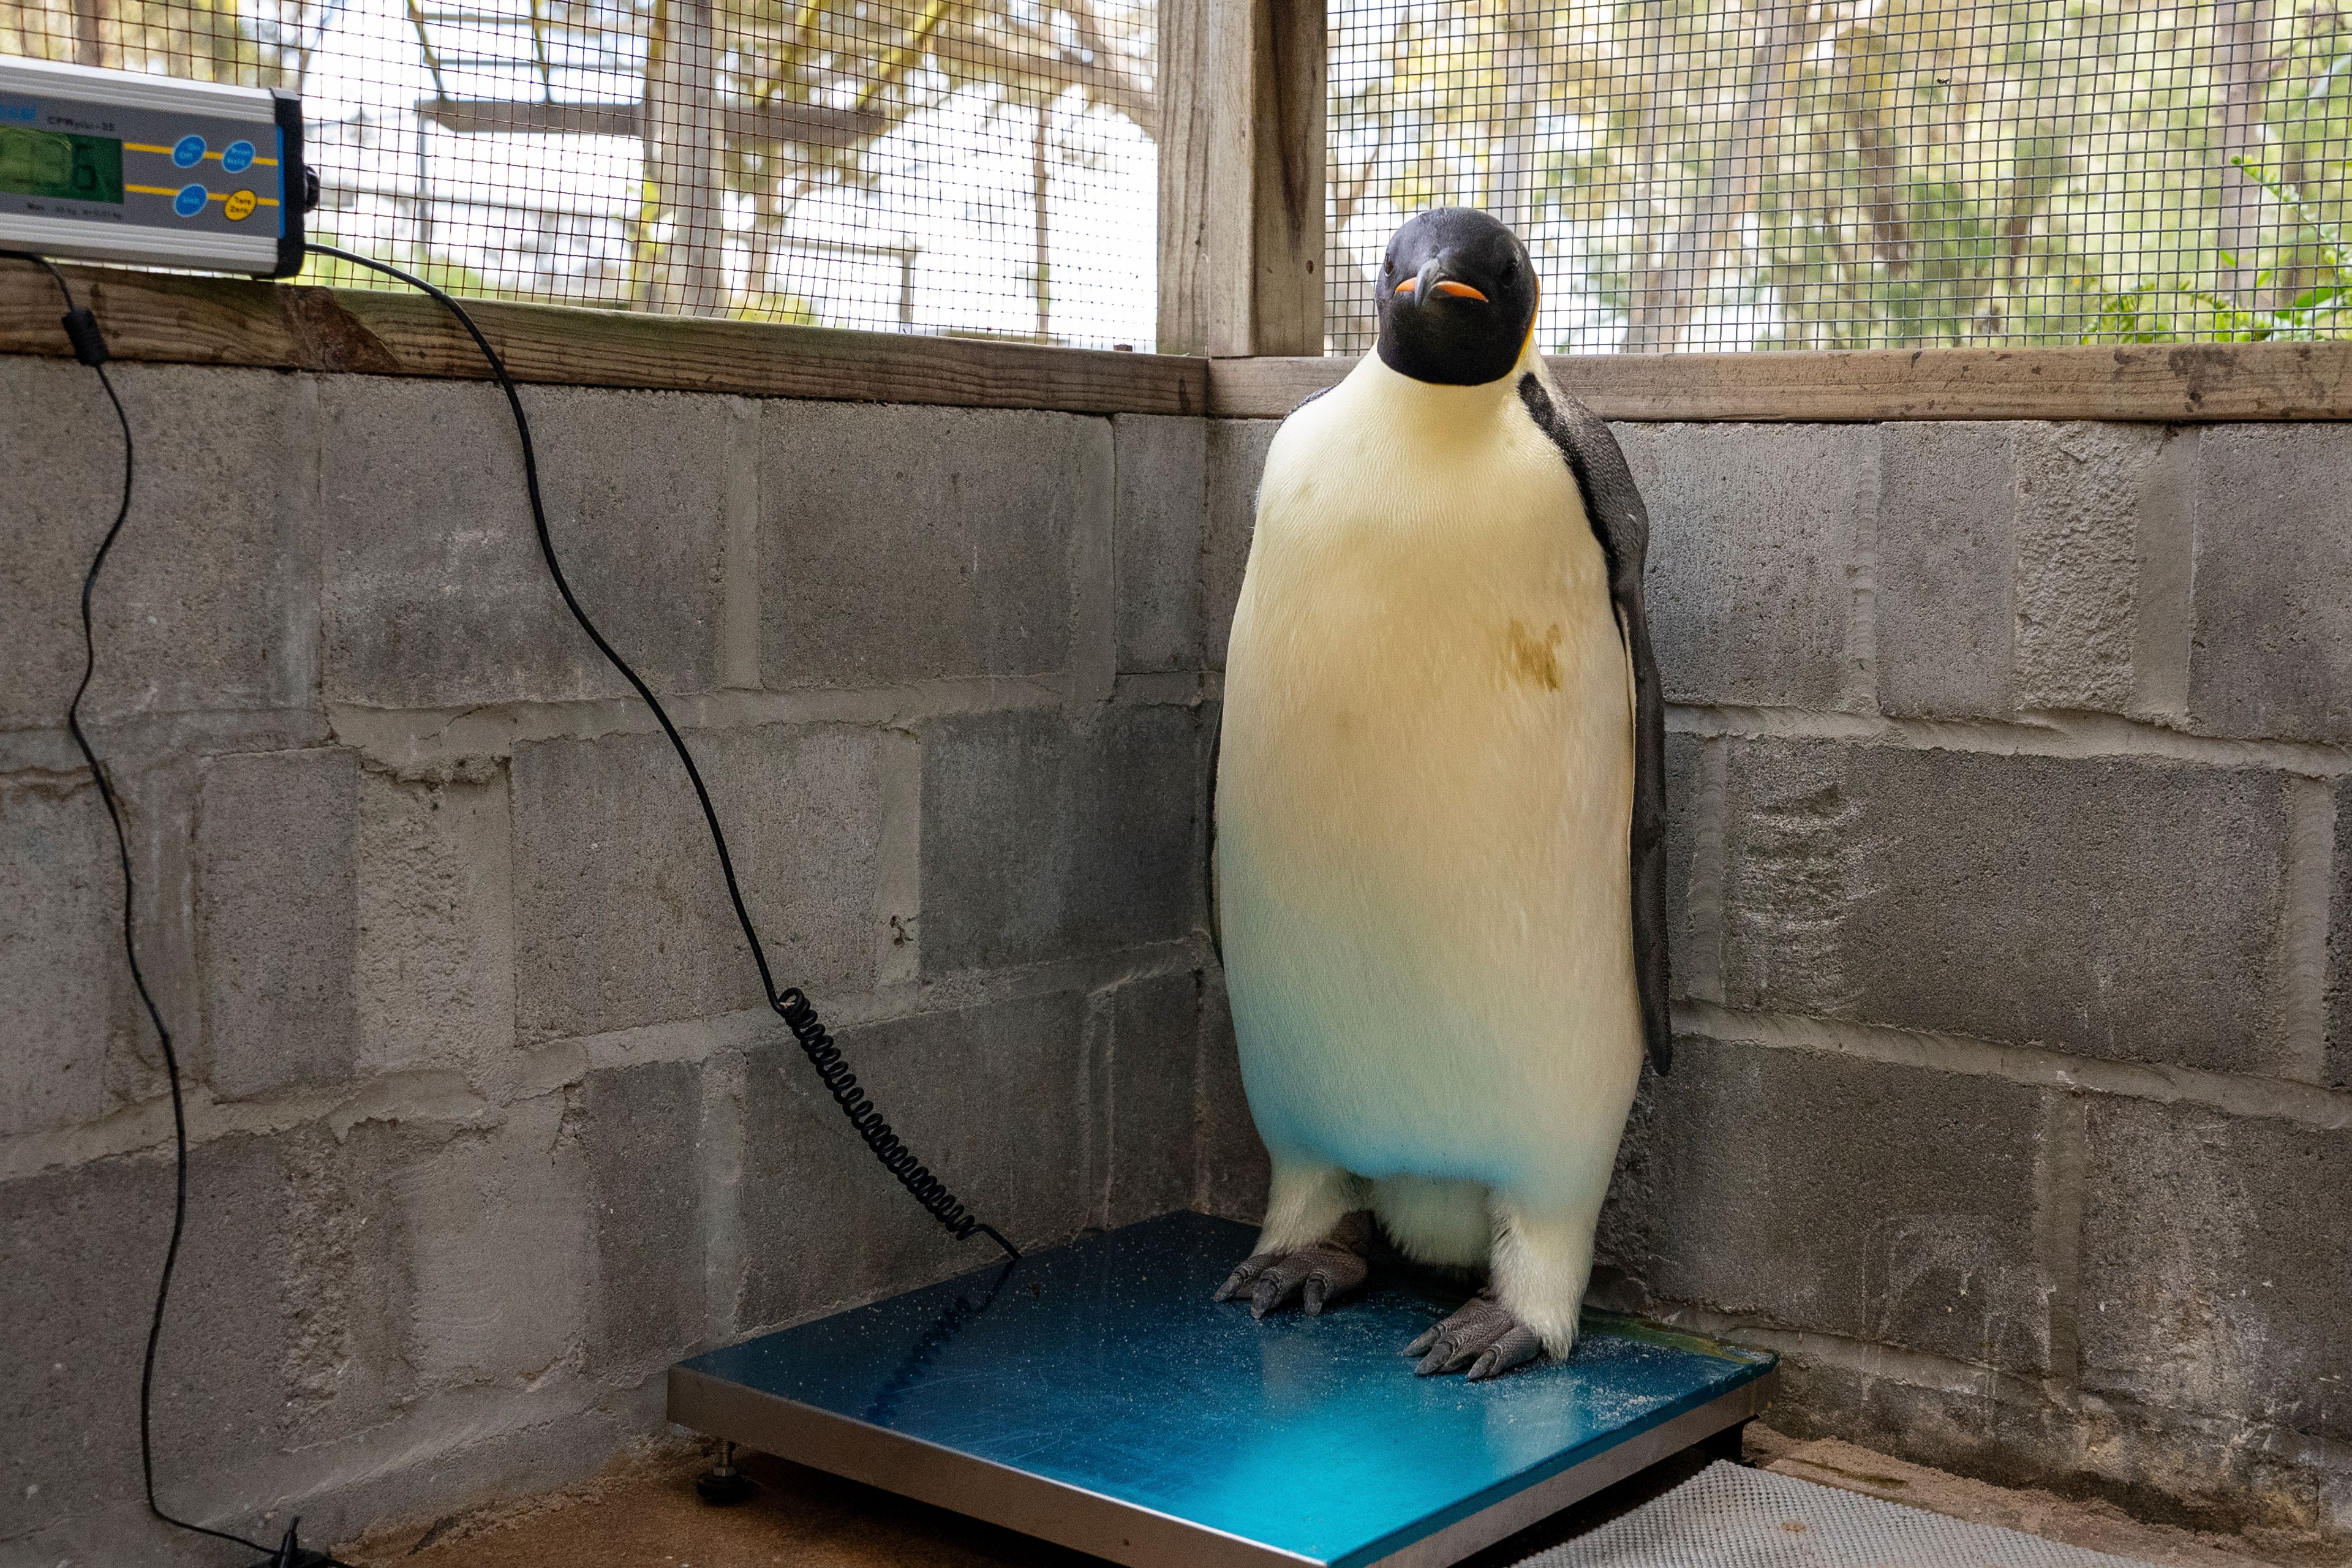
column 1425, row 793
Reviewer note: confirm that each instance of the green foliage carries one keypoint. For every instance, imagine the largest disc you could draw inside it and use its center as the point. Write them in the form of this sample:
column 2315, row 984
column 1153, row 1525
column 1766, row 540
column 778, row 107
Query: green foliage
column 1906, row 172
column 2317, row 304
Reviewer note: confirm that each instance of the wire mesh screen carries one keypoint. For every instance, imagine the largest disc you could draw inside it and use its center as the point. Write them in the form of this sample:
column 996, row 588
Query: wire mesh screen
column 971, row 167
column 1764, row 174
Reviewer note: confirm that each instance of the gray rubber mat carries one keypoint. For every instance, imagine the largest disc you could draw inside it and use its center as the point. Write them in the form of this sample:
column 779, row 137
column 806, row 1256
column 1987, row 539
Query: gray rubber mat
column 1727, row 1516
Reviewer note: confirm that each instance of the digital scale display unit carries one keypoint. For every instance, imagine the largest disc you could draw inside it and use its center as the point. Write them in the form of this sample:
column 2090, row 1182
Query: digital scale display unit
column 113, row 166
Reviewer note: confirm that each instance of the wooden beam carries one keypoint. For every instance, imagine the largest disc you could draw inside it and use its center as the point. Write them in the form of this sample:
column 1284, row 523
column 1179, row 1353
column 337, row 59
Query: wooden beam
column 1187, row 48
column 805, row 124
column 2161, row 384
column 168, row 319
column 1267, row 78
column 177, row 319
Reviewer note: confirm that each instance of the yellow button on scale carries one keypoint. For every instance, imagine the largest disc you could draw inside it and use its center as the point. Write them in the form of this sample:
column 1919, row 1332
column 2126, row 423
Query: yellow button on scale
column 239, row 206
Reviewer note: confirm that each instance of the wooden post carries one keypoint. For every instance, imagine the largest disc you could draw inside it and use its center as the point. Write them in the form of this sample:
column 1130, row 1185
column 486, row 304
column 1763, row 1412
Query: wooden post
column 1178, row 72
column 1241, row 176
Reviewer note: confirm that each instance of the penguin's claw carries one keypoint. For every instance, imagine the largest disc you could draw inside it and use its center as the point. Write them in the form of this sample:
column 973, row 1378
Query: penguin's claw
column 1318, row 1275
column 1483, row 1337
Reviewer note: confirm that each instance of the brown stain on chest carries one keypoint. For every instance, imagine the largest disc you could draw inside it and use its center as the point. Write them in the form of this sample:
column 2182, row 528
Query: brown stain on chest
column 1533, row 659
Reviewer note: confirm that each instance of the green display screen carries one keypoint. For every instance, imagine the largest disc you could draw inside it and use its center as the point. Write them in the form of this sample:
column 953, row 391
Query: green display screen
column 55, row 164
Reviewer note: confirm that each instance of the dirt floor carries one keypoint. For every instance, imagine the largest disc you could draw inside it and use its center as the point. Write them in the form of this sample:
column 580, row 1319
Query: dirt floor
column 643, row 1511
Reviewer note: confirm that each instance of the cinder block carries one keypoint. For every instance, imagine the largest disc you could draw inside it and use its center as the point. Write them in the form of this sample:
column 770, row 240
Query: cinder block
column 276, row 919
column 1991, row 1426
column 2212, row 1266
column 1683, row 808
column 435, row 593
column 1233, row 1169
column 2080, row 491
column 63, row 474
column 637, row 1131
column 620, row 917
column 493, row 1233
column 992, row 1100
column 1043, row 839
column 63, row 983
column 83, row 1247
column 436, row 943
column 1236, row 457
column 1944, row 586
column 347, row 1275
column 2104, row 907
column 901, row 543
column 2273, row 654
column 1754, row 538
column 209, row 597
column 1154, row 1044
column 1832, row 1193
column 1162, row 496
column 2339, row 947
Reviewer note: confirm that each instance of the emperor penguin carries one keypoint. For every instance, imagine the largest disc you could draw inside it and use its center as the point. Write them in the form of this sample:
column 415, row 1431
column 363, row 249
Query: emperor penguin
column 1439, row 818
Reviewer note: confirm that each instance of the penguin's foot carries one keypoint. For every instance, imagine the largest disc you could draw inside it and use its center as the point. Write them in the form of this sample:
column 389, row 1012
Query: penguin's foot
column 1483, row 1336
column 1318, row 1274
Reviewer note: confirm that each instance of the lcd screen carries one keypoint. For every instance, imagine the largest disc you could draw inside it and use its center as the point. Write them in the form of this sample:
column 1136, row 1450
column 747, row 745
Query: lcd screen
column 56, row 164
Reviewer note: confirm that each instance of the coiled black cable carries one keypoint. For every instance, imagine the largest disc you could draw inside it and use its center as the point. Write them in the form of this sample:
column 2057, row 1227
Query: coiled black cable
column 89, row 348
column 790, row 1003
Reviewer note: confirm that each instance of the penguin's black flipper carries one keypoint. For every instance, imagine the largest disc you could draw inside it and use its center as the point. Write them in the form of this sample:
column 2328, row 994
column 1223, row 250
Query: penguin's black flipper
column 1209, row 841
column 1621, row 523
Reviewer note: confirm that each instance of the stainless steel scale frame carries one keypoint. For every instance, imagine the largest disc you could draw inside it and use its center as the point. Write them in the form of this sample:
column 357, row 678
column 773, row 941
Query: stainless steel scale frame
column 1096, row 1397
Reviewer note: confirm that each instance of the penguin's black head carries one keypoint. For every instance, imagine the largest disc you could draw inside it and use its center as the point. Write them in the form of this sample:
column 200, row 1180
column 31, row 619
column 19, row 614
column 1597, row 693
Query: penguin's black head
column 1457, row 296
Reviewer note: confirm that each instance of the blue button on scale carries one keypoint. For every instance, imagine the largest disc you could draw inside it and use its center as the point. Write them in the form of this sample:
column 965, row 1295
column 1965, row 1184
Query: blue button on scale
column 191, row 200
column 237, row 157
column 1096, row 1396
column 188, row 151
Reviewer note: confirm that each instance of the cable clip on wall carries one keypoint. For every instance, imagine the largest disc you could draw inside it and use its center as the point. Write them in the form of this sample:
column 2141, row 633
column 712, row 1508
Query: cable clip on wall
column 1110, row 1403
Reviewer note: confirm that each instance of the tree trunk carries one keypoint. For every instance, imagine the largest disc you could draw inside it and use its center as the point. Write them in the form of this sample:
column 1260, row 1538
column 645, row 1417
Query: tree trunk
column 2243, row 62
column 1883, row 191
column 90, row 41
column 1513, row 182
column 1667, row 289
column 1041, row 174
column 682, row 114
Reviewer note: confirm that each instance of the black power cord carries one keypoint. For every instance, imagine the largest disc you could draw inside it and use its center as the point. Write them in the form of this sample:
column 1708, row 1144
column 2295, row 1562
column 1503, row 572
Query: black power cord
column 89, row 348
column 791, row 1004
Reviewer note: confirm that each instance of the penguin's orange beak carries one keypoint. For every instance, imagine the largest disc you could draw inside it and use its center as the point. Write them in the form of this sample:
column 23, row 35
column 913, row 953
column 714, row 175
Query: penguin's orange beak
column 1446, row 286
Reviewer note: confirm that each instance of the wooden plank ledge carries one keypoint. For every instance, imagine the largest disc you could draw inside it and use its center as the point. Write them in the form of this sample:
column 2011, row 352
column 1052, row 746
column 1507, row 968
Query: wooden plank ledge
column 2165, row 384
column 168, row 319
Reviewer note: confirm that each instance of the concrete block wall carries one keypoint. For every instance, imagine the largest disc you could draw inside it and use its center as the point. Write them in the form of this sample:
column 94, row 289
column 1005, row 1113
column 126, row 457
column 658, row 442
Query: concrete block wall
column 2013, row 916
column 2011, row 861
column 489, row 1124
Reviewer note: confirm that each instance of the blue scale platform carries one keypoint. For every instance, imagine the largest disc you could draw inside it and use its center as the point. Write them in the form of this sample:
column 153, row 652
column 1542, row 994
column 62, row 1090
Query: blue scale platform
column 1094, row 1395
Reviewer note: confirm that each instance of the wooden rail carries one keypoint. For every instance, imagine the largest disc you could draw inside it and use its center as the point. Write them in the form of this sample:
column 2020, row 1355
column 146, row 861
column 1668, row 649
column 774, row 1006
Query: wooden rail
column 209, row 320
column 2162, row 383
column 227, row 321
